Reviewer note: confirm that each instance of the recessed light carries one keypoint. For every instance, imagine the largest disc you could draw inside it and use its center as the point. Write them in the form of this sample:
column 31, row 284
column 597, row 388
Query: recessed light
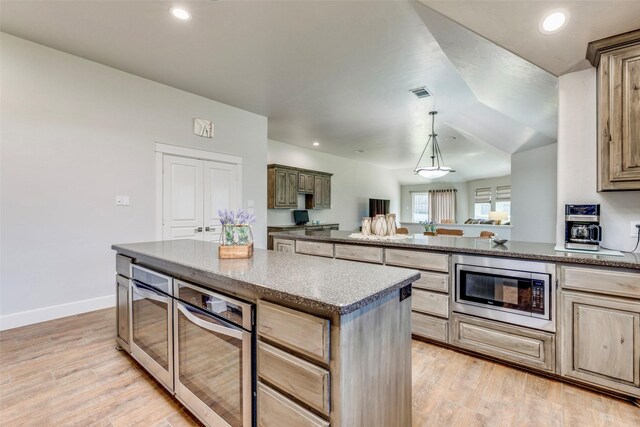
column 553, row 22
column 316, row 143
column 180, row 13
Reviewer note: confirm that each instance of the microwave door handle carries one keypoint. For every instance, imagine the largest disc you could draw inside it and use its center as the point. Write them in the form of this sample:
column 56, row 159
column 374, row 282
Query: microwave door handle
column 148, row 293
column 232, row 332
column 595, row 232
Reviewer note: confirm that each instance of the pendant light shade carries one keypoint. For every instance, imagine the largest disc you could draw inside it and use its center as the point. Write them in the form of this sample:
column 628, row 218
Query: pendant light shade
column 437, row 168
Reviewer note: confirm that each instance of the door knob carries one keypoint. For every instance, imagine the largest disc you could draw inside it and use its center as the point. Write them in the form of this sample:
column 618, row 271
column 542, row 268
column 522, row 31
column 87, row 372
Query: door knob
column 209, row 229
column 198, row 230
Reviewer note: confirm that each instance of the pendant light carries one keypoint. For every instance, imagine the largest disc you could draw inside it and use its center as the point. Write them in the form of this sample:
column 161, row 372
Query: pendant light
column 437, row 168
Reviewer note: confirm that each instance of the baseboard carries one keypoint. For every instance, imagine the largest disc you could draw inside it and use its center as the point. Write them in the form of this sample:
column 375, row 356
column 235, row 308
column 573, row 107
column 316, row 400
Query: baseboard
column 29, row 317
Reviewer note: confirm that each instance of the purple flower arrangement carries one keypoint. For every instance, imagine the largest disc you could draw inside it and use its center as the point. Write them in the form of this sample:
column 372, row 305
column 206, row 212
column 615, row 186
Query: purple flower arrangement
column 241, row 217
column 236, row 227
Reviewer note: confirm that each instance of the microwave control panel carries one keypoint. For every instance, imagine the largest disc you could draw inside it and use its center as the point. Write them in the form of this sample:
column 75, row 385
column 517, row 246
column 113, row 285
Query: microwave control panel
column 537, row 297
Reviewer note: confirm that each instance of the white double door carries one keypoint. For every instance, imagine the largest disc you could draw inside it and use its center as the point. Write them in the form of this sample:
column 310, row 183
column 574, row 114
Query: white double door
column 193, row 190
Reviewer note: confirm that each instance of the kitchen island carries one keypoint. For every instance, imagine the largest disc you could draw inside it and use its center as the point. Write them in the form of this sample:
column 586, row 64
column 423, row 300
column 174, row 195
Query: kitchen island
column 572, row 315
column 332, row 338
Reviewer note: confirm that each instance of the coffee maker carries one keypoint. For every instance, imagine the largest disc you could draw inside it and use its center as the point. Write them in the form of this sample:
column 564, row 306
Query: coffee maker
column 582, row 227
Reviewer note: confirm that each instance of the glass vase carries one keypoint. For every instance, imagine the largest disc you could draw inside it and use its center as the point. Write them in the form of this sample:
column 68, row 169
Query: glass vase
column 236, row 235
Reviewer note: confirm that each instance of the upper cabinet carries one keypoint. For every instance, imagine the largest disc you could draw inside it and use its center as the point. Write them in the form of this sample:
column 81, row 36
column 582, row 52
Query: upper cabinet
column 282, row 191
column 284, row 183
column 617, row 59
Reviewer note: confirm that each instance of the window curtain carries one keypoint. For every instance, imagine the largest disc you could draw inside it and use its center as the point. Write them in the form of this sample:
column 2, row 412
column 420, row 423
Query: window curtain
column 503, row 192
column 483, row 195
column 442, row 206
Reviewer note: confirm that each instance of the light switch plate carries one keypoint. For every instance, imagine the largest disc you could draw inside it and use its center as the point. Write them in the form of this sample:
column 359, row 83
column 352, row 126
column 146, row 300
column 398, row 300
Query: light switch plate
column 119, row 201
column 634, row 230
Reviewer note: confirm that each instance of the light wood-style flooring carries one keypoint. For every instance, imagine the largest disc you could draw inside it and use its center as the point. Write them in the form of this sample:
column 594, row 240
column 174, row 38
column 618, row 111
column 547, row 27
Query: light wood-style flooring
column 66, row 372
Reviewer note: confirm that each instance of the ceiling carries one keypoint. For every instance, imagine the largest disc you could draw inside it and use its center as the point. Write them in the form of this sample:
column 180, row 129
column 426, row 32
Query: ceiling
column 336, row 72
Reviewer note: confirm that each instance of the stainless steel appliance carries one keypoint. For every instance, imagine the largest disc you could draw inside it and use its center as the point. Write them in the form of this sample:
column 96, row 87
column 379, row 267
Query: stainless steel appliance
column 582, row 227
column 511, row 291
column 151, row 323
column 214, row 344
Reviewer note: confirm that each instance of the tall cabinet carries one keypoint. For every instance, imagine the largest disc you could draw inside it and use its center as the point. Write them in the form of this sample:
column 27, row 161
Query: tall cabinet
column 617, row 59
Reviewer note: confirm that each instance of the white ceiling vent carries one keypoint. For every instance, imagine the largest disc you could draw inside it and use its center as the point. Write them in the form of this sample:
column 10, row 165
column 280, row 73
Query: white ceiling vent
column 421, row 92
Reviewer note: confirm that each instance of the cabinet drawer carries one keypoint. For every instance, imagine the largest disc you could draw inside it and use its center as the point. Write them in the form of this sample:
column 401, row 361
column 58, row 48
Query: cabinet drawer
column 283, row 245
column 511, row 343
column 609, row 282
column 122, row 266
column 415, row 259
column 314, row 248
column 430, row 303
column 432, row 281
column 299, row 378
column 299, row 331
column 275, row 410
column 429, row 327
column 359, row 253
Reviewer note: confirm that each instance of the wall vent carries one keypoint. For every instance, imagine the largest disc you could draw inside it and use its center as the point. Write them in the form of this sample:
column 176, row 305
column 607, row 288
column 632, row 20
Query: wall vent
column 421, row 92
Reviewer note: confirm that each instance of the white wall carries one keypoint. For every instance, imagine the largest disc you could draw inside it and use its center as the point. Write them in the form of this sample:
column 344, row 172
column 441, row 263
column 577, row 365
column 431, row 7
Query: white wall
column 533, row 194
column 352, row 185
column 462, row 207
column 74, row 135
column 577, row 136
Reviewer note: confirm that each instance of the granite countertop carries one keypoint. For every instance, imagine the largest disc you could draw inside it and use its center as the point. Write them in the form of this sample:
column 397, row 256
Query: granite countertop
column 323, row 284
column 473, row 245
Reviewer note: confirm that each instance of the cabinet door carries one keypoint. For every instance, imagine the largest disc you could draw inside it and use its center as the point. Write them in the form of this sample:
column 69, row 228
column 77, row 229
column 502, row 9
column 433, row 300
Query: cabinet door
column 309, row 184
column 601, row 340
column 326, row 192
column 122, row 311
column 281, row 184
column 619, row 128
column 292, row 189
column 317, row 193
column 302, row 182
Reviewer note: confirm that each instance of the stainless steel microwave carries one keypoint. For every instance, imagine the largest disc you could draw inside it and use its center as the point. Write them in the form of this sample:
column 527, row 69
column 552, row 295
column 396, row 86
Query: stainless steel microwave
column 511, row 291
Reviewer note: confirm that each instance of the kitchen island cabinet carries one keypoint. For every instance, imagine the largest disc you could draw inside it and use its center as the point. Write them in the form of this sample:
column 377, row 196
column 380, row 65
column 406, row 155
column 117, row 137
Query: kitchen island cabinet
column 595, row 340
column 333, row 338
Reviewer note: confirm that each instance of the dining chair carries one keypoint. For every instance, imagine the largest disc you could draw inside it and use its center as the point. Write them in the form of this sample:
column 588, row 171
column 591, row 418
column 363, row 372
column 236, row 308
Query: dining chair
column 402, row 230
column 487, row 234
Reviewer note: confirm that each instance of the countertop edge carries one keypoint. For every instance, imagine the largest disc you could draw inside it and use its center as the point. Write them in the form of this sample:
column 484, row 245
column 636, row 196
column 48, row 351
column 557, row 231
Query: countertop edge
column 477, row 251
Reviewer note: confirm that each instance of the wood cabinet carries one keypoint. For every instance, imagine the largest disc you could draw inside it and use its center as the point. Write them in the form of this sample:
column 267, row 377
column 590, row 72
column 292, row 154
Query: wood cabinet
column 507, row 342
column 282, row 188
column 301, row 379
column 275, row 410
column 314, row 248
column 306, row 183
column 274, row 229
column 600, row 340
column 321, row 197
column 282, row 245
column 301, row 332
column 122, row 312
column 284, row 183
column 618, row 61
column 359, row 253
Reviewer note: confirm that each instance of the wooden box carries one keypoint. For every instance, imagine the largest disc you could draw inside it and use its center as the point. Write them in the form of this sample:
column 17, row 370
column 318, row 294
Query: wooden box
column 235, row 251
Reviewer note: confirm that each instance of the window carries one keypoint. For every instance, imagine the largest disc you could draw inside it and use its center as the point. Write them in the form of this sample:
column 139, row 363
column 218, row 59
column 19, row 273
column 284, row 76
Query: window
column 482, row 203
column 503, row 200
column 419, row 207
